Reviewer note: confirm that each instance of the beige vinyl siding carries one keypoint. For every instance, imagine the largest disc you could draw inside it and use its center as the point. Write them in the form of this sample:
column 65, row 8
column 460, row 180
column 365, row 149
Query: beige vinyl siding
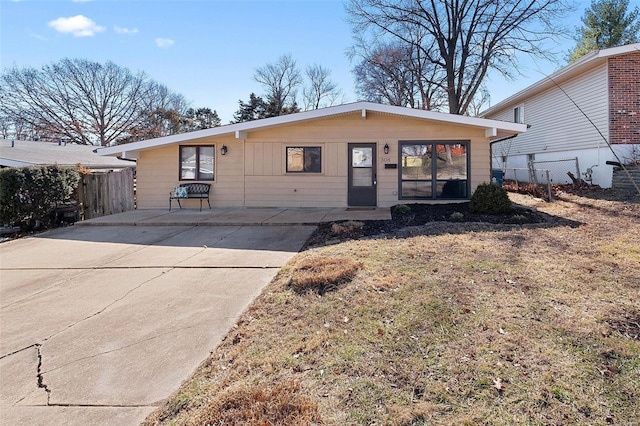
column 556, row 123
column 268, row 184
column 157, row 174
column 228, row 189
column 253, row 173
column 282, row 191
column 480, row 164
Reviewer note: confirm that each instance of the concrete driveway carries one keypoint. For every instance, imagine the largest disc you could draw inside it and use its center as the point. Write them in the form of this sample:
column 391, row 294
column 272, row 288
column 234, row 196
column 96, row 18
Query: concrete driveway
column 98, row 324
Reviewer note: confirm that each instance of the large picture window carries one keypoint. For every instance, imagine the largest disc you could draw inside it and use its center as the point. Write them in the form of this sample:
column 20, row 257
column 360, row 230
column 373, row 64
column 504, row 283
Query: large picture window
column 197, row 162
column 434, row 170
column 304, row 159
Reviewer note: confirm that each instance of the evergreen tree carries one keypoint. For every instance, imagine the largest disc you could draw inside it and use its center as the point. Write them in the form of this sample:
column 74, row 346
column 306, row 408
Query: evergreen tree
column 255, row 109
column 201, row 118
column 607, row 23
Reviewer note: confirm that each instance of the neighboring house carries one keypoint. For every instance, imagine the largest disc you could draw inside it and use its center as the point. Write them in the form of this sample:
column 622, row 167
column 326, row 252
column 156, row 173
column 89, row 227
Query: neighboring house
column 605, row 85
column 360, row 154
column 29, row 153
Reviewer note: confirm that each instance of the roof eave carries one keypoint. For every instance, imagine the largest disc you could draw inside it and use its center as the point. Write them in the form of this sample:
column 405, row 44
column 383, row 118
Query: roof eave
column 240, row 130
column 588, row 61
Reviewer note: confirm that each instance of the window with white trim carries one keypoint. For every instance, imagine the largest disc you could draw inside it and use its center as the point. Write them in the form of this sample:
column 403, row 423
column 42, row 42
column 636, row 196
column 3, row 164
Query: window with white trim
column 518, row 114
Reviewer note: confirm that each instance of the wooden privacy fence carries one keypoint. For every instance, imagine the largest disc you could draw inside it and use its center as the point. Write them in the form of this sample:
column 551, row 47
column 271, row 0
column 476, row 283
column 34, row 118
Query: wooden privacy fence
column 106, row 192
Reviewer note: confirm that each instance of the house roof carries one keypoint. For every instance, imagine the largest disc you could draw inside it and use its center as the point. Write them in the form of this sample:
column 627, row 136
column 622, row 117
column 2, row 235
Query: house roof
column 587, row 62
column 493, row 128
column 29, row 153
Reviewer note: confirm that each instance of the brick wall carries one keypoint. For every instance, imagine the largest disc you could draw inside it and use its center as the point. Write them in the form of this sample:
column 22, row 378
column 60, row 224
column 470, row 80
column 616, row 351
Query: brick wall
column 624, row 99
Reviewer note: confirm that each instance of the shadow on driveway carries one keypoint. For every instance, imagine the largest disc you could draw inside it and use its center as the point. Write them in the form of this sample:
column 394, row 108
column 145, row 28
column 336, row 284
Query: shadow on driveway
column 100, row 324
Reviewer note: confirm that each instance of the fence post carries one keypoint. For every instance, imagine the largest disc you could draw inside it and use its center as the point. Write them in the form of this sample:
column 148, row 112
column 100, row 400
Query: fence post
column 578, row 175
column 548, row 185
column 532, row 173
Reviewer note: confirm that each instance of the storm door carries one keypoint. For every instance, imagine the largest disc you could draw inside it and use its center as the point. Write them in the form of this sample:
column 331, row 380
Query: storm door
column 362, row 174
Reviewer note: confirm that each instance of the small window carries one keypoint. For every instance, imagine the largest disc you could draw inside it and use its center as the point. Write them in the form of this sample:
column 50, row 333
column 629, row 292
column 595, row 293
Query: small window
column 518, row 114
column 197, row 162
column 307, row 159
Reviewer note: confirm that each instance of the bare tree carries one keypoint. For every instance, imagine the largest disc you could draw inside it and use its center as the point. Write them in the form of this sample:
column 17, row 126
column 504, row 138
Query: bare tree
column 397, row 74
column 76, row 100
column 5, row 126
column 480, row 102
column 462, row 39
column 382, row 76
column 281, row 79
column 164, row 113
column 320, row 88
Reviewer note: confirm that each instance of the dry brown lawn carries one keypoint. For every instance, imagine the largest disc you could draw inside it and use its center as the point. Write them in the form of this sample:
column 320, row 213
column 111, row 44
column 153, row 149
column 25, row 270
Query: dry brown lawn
column 500, row 325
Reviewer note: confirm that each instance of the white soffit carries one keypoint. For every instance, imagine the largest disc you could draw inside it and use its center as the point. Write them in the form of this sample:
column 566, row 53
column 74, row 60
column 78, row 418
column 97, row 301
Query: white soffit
column 241, row 130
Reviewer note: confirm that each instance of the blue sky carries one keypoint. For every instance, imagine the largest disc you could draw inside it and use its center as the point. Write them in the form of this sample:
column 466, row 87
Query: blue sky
column 207, row 50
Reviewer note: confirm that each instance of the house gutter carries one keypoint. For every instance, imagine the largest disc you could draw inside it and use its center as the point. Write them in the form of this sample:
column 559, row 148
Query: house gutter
column 496, row 141
column 126, row 159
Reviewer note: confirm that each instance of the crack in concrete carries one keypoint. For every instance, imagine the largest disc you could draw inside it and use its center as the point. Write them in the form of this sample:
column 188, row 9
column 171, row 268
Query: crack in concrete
column 29, row 296
column 123, row 347
column 33, row 295
column 107, row 306
column 40, row 376
column 151, row 244
column 18, row 351
column 190, row 257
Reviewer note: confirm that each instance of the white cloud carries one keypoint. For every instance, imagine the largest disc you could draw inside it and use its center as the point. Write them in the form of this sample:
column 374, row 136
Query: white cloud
column 122, row 30
column 79, row 26
column 164, row 42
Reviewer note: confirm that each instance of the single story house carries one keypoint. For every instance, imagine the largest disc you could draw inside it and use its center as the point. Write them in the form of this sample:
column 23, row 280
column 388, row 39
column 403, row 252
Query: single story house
column 29, row 153
column 571, row 115
column 359, row 154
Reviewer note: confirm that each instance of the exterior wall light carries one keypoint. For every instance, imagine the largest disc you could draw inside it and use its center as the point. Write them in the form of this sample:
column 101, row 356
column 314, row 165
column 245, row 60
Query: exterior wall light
column 386, row 148
column 223, row 150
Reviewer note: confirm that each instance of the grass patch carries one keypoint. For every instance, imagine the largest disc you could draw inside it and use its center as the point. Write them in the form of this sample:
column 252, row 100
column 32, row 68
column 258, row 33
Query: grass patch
column 500, row 327
column 280, row 404
column 321, row 273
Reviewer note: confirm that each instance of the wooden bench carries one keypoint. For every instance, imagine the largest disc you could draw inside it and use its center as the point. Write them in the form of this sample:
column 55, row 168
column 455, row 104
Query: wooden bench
column 194, row 191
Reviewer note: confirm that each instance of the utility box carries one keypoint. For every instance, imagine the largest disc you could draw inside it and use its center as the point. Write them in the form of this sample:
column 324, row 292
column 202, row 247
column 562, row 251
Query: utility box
column 497, row 177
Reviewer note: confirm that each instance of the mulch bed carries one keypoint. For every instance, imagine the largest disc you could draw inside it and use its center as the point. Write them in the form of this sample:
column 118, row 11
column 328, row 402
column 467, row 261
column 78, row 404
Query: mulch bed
column 422, row 214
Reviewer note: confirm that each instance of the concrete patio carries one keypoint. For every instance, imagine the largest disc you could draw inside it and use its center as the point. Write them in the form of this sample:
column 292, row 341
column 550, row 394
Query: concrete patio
column 238, row 216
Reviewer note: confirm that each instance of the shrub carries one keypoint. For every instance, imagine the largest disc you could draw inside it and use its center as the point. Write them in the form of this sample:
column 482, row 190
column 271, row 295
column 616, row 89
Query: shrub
column 28, row 195
column 402, row 213
column 401, row 209
column 490, row 199
column 456, row 216
column 519, row 219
